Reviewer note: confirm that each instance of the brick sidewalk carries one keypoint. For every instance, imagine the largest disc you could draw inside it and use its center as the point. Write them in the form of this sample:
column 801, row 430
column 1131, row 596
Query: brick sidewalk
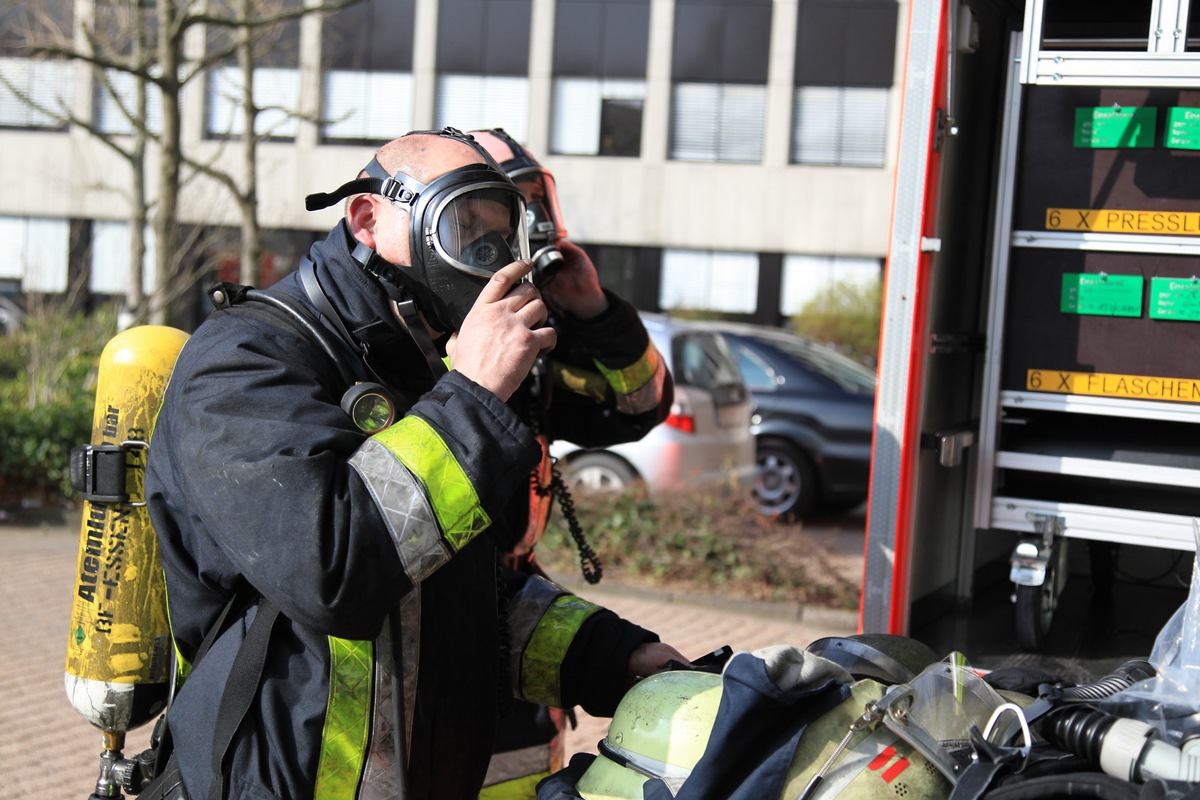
column 49, row 752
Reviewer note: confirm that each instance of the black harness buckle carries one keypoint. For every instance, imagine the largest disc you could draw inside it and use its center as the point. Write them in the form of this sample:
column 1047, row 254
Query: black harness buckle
column 98, row 471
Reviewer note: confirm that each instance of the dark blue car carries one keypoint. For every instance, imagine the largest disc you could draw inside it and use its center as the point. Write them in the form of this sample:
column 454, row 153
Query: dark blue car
column 812, row 418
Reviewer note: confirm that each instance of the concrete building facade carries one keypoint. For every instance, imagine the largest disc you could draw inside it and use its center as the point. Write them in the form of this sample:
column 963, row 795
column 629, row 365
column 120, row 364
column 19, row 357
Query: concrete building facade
column 735, row 155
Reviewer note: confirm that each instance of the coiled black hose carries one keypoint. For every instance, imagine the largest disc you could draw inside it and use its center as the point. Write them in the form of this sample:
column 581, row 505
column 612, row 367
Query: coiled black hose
column 1121, row 678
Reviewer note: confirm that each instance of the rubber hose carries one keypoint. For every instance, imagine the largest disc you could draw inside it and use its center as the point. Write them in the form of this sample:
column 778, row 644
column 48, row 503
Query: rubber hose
column 1080, row 731
column 1121, row 678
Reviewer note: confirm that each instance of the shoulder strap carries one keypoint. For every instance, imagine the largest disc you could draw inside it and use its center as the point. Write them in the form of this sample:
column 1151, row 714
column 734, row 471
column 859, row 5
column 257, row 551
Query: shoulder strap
column 294, row 315
column 240, row 688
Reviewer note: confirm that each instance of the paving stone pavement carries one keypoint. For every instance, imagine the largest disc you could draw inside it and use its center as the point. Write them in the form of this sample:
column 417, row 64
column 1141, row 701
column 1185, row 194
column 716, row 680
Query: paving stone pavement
column 48, row 751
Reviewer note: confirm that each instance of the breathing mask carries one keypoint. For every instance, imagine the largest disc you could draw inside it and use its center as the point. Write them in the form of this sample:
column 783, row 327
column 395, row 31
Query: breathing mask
column 464, row 226
column 543, row 218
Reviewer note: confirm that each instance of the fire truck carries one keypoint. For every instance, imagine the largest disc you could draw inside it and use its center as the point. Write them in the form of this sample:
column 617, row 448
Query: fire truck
column 1039, row 364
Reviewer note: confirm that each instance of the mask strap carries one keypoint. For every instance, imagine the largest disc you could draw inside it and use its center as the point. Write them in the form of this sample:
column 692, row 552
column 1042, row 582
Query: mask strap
column 403, row 305
column 407, row 311
column 400, row 188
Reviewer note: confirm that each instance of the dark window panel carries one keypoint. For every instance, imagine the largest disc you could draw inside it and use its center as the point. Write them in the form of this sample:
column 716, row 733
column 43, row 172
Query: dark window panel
column 721, row 42
column 577, row 48
column 621, row 128
column 626, row 40
column 25, row 25
column 841, row 43
column 484, row 37
column 375, row 35
column 601, row 39
column 275, row 45
column 634, row 273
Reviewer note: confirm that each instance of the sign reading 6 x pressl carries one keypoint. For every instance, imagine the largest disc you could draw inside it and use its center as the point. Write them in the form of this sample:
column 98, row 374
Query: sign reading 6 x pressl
column 1110, row 220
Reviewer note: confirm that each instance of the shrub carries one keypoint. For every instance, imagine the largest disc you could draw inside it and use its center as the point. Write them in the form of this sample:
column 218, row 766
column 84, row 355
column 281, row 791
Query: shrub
column 845, row 315
column 696, row 541
column 47, row 391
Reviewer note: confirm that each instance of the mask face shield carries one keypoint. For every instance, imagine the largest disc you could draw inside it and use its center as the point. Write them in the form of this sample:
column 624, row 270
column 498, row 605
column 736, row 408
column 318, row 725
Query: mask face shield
column 543, row 219
column 479, row 229
column 466, row 225
column 542, row 214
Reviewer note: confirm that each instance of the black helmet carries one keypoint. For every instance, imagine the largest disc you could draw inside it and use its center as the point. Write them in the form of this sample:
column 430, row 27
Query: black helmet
column 464, row 226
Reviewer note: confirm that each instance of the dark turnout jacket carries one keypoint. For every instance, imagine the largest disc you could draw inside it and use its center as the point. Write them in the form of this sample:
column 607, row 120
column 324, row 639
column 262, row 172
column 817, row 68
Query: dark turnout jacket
column 378, row 550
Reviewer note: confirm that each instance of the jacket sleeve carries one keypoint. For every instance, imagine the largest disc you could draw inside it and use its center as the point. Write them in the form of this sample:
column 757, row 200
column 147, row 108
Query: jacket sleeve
column 566, row 651
column 440, row 475
column 611, row 384
column 279, row 489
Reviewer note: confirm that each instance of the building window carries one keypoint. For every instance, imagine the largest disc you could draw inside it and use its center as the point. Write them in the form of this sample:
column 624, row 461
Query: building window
column 599, row 77
column 108, row 267
column 42, row 88
column 717, row 122
column 805, row 277
column 367, row 84
column 840, row 126
column 709, row 280
column 840, row 110
column 44, row 92
column 483, row 65
column 479, row 102
column 719, row 78
column 116, row 102
column 276, row 78
column 34, row 251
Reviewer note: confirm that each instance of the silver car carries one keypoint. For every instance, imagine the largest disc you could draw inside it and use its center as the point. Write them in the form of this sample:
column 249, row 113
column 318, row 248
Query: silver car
column 706, row 439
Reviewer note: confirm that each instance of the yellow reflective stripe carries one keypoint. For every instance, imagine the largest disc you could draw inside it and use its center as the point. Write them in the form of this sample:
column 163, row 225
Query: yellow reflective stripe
column 580, row 381
column 519, row 789
column 628, row 380
column 347, row 719
column 547, row 647
column 449, row 490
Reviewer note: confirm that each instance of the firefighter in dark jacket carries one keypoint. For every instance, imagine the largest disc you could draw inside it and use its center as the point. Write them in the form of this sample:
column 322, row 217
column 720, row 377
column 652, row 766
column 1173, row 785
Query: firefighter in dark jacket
column 530, row 741
column 399, row 636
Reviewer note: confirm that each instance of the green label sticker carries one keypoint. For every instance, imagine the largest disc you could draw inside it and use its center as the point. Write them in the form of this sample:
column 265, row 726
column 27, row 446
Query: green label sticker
column 1175, row 298
column 1183, row 129
column 1105, row 126
column 1102, row 295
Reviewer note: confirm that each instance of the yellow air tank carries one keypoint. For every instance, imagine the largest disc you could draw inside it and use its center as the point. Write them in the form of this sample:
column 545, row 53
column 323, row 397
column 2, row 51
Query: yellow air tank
column 119, row 641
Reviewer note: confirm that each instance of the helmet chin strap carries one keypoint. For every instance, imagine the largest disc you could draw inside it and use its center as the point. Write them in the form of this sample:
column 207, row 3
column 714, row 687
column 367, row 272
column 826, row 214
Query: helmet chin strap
column 403, row 306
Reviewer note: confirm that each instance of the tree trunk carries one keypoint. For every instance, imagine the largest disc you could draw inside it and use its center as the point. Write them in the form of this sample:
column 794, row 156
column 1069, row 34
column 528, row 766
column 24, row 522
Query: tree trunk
column 251, row 249
column 166, row 226
column 135, row 300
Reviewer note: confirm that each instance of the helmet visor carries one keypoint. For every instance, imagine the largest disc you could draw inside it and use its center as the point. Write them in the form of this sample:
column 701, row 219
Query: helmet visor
column 480, row 229
column 542, row 214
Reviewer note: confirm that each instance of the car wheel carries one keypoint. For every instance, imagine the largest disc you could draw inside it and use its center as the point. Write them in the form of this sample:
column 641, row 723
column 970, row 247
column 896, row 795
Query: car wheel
column 785, row 484
column 598, row 472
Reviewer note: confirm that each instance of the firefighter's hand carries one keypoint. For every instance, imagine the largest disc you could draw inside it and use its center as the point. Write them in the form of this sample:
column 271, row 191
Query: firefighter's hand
column 651, row 657
column 503, row 332
column 575, row 287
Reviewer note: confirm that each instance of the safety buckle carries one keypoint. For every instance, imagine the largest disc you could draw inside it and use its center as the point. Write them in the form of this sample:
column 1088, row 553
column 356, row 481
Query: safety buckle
column 397, row 192
column 98, row 471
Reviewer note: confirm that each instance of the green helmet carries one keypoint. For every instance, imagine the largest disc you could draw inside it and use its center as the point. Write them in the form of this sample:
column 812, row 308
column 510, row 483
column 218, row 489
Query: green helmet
column 660, row 730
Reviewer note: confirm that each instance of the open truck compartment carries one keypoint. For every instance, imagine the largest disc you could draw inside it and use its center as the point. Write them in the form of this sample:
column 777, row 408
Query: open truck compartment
column 1036, row 461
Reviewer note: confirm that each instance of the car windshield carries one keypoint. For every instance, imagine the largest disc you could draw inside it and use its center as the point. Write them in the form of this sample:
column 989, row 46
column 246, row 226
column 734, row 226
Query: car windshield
column 845, row 372
column 704, row 361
